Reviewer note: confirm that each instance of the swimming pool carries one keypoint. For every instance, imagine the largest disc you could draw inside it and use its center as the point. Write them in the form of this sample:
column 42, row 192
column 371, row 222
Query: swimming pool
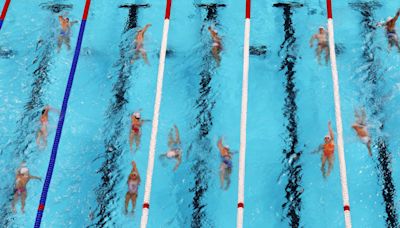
column 289, row 107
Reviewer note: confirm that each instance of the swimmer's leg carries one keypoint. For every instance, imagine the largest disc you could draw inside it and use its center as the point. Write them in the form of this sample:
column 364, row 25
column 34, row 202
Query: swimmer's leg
column 323, row 161
column 59, row 43
column 178, row 162
column 127, row 198
column 222, row 176
column 144, row 56
column 330, row 165
column 228, row 178
column 318, row 52
column 369, row 148
column 326, row 54
column 14, row 201
column 23, row 199
column 131, row 136
column 133, row 199
column 138, row 136
column 67, row 42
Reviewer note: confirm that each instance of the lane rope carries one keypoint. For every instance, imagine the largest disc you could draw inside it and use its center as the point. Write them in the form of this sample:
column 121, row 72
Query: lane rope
column 60, row 125
column 338, row 114
column 243, row 120
column 154, row 130
column 4, row 12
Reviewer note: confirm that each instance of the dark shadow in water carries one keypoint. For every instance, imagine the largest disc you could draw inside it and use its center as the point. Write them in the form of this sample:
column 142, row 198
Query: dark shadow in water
column 291, row 162
column 374, row 100
column 114, row 140
column 202, row 148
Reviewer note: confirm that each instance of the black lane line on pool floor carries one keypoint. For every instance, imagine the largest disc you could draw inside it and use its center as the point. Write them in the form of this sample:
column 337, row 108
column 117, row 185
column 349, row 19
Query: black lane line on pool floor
column 202, row 147
column 375, row 99
column 291, row 162
column 27, row 127
column 114, row 139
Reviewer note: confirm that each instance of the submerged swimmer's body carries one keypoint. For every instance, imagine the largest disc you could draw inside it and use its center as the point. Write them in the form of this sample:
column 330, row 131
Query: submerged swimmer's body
column 65, row 32
column 216, row 45
column 139, row 46
column 360, row 126
column 41, row 138
column 390, row 27
column 175, row 149
column 322, row 37
column 225, row 169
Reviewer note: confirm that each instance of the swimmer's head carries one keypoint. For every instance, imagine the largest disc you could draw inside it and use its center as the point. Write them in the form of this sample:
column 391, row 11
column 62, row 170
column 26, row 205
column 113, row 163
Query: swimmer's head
column 43, row 111
column 136, row 115
column 389, row 19
column 321, row 29
column 133, row 175
column 67, row 19
column 24, row 171
column 327, row 138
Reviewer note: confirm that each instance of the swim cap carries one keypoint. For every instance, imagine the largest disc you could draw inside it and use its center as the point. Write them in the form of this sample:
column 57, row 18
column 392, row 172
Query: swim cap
column 24, row 170
column 327, row 137
column 136, row 115
column 389, row 19
column 321, row 27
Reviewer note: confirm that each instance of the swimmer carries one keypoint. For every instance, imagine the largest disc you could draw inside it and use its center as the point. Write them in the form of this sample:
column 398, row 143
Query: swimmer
column 139, row 47
column 133, row 185
column 44, row 122
column 136, row 129
column 360, row 126
column 21, row 180
column 175, row 150
column 390, row 26
column 322, row 37
column 216, row 46
column 328, row 149
column 225, row 169
column 65, row 32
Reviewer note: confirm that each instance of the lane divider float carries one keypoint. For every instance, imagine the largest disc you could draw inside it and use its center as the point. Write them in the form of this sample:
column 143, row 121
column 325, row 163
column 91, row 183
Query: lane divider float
column 243, row 119
column 338, row 114
column 60, row 125
column 154, row 129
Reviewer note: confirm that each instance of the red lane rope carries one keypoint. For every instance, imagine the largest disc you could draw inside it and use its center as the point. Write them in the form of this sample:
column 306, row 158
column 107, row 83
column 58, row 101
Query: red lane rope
column 168, row 9
column 329, row 8
column 5, row 9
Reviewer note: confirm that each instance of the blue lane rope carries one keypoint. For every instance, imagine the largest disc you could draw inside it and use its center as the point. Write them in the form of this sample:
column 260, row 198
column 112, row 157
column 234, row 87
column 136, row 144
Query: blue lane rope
column 60, row 125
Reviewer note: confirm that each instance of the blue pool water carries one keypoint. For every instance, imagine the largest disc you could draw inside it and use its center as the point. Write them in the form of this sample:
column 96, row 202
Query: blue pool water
column 287, row 115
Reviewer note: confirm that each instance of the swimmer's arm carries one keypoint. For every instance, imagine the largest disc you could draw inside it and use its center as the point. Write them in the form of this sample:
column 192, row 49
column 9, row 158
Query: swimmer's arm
column 34, row 177
column 178, row 139
column 145, row 28
column 312, row 40
column 220, row 146
column 74, row 22
column 61, row 19
column 397, row 16
column 330, row 131
column 320, row 148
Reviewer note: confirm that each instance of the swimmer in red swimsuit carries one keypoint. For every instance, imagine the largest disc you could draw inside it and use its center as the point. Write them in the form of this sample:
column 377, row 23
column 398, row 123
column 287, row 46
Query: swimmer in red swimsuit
column 136, row 130
column 44, row 121
column 21, row 180
column 328, row 149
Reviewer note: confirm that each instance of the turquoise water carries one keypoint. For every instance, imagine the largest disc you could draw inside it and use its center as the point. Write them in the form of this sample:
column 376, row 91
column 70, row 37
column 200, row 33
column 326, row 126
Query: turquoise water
column 204, row 102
